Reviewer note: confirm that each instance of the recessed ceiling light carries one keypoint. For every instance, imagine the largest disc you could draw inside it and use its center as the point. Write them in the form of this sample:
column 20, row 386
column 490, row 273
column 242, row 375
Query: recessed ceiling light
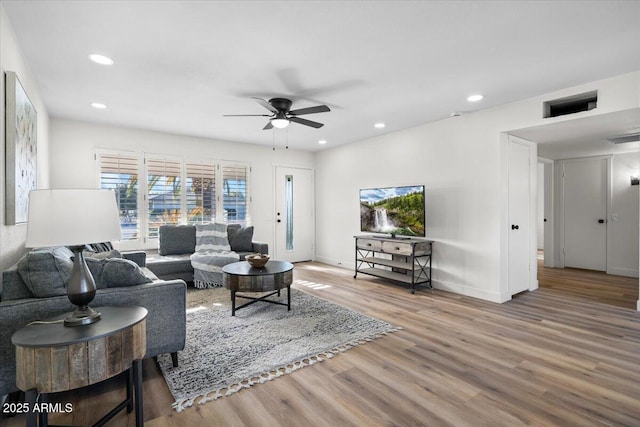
column 101, row 59
column 475, row 98
column 98, row 105
column 322, row 142
column 379, row 125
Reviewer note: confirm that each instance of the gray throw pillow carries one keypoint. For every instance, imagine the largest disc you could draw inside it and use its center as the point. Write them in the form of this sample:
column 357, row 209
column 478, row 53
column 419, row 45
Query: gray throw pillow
column 115, row 272
column 46, row 271
column 241, row 239
column 176, row 239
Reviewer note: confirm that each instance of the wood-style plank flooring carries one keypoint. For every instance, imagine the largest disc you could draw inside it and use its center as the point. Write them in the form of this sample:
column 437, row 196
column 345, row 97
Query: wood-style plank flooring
column 567, row 354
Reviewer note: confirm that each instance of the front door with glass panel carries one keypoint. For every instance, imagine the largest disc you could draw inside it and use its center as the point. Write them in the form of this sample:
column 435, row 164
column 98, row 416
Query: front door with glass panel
column 294, row 214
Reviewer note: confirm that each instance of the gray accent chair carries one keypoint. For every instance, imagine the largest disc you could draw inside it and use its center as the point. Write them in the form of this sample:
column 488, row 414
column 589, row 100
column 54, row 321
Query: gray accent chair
column 165, row 301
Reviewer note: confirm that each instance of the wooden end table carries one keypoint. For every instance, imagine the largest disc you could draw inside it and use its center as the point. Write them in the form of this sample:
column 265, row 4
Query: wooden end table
column 51, row 357
column 240, row 276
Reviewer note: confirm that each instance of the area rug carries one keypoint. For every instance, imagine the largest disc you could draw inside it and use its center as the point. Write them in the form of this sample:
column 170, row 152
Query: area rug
column 225, row 354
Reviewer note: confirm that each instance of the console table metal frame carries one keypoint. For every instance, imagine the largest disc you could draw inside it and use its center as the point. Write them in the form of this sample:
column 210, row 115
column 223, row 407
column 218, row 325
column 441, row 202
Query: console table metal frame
column 241, row 277
column 51, row 358
column 410, row 261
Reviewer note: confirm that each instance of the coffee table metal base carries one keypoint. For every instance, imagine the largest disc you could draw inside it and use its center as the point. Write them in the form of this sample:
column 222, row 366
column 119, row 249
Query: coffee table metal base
column 235, row 294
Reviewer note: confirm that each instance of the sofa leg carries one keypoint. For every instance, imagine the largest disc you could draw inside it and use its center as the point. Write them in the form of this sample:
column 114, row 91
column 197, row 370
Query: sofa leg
column 174, row 359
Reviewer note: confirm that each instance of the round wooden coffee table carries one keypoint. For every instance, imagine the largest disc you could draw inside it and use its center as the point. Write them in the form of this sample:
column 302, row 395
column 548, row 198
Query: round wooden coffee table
column 241, row 277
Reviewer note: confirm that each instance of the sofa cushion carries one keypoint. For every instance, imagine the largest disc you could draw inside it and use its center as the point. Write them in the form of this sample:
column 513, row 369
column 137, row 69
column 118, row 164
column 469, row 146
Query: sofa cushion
column 176, row 239
column 211, row 237
column 46, row 271
column 13, row 287
column 116, row 272
column 240, row 239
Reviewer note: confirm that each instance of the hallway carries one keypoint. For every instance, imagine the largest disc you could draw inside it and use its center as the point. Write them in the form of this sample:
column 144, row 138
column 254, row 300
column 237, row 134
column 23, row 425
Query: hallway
column 619, row 291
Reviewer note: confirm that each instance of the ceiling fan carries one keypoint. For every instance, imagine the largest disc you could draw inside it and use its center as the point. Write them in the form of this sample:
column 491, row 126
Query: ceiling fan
column 281, row 113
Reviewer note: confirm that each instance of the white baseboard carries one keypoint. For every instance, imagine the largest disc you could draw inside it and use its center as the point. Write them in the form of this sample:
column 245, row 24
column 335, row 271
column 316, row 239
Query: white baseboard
column 627, row 272
column 335, row 262
column 469, row 292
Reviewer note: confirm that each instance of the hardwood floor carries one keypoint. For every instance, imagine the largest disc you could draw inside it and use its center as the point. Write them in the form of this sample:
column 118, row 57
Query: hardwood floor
column 567, row 354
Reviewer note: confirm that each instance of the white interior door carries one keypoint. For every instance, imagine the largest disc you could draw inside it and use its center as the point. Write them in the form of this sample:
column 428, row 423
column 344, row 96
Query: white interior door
column 585, row 214
column 519, row 217
column 294, row 214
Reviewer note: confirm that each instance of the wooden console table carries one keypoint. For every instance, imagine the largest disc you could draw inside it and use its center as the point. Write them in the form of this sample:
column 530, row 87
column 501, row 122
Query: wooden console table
column 51, row 357
column 404, row 260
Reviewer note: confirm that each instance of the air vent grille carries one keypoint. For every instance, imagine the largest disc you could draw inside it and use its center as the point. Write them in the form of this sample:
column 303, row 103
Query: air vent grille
column 623, row 139
column 570, row 105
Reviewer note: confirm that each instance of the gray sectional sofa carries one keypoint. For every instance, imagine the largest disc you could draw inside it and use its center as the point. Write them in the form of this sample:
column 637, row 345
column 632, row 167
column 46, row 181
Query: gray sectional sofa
column 178, row 242
column 165, row 301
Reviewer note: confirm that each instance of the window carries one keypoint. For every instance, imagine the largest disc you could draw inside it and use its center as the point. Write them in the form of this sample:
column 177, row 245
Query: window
column 234, row 192
column 173, row 191
column 164, row 193
column 201, row 191
column 119, row 172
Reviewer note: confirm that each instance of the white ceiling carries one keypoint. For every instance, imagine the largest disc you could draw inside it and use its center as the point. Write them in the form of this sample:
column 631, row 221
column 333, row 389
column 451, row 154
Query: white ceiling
column 180, row 65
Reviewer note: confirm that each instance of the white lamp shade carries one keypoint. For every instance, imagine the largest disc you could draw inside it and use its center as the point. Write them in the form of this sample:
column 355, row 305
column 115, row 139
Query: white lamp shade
column 280, row 123
column 72, row 217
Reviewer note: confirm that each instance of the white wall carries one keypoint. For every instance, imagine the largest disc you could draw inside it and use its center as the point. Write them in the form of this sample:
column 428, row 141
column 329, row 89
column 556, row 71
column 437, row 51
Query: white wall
column 623, row 257
column 459, row 161
column 73, row 145
column 12, row 238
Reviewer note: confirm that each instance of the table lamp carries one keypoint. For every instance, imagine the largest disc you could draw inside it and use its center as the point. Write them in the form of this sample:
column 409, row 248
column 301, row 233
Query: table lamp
column 73, row 218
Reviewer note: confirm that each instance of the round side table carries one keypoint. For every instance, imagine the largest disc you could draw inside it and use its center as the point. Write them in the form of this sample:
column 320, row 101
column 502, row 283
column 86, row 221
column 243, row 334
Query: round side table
column 51, row 357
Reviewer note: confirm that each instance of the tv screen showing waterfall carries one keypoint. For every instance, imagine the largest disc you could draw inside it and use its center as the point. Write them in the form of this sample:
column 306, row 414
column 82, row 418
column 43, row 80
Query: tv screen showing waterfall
column 393, row 210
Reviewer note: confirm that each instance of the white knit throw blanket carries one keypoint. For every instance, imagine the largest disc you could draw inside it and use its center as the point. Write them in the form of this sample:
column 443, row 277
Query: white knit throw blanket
column 207, row 267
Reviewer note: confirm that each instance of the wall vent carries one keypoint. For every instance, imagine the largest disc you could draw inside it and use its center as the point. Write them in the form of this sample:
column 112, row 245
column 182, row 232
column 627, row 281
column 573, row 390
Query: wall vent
column 623, row 139
column 570, row 105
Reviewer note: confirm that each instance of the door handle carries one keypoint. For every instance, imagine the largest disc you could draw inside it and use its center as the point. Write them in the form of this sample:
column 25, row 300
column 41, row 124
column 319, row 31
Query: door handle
column 601, row 221
column 515, row 227
column 279, row 221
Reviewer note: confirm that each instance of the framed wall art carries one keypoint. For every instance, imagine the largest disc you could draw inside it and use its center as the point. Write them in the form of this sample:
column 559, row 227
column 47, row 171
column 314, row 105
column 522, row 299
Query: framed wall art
column 21, row 150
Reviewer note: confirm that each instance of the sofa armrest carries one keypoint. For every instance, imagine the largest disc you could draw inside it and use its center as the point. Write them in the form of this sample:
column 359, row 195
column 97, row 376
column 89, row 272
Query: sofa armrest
column 260, row 247
column 166, row 319
column 139, row 257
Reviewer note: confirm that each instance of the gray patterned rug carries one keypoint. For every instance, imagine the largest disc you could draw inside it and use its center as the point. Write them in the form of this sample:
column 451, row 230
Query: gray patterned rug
column 225, row 354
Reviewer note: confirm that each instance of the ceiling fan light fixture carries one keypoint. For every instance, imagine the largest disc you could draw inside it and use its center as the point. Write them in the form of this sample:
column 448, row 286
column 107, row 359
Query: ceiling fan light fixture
column 101, row 59
column 280, row 123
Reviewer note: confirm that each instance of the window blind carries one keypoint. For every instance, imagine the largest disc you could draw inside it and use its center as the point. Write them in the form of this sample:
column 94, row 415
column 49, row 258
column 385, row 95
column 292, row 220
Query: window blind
column 164, row 193
column 235, row 190
column 119, row 172
column 201, row 191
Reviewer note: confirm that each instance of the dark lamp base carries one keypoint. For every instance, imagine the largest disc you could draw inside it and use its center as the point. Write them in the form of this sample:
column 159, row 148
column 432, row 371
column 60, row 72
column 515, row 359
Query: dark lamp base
column 82, row 316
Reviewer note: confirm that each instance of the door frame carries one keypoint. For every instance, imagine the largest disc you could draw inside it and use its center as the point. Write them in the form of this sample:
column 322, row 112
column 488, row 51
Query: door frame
column 505, row 139
column 274, row 178
column 561, row 200
column 549, row 211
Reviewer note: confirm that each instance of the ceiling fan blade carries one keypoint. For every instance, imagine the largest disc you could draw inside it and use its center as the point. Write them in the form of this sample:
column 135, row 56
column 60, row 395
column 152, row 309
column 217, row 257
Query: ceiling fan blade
column 268, row 126
column 246, row 115
column 265, row 104
column 306, row 122
column 310, row 110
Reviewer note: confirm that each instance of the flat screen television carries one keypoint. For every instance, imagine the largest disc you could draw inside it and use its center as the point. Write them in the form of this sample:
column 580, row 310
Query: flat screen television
column 393, row 210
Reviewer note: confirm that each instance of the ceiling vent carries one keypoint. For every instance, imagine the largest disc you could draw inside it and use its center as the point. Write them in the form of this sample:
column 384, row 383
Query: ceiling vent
column 623, row 139
column 570, row 105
